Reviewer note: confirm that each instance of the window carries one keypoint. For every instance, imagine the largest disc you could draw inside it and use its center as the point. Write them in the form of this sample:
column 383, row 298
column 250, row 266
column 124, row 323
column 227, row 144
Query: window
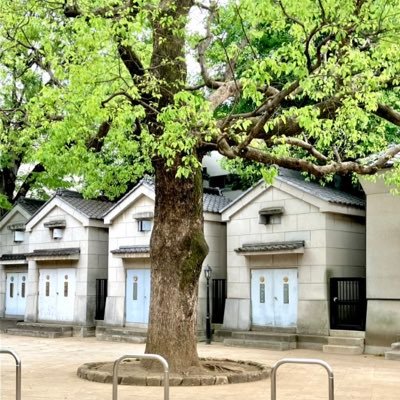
column 19, row 236
column 145, row 225
column 58, row 233
column 270, row 216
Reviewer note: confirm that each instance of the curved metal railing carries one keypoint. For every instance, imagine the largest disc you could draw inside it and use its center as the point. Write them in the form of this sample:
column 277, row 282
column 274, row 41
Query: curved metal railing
column 302, row 361
column 156, row 357
column 17, row 371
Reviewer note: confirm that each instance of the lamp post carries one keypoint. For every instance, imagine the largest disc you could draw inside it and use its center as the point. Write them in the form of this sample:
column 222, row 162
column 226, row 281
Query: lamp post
column 207, row 273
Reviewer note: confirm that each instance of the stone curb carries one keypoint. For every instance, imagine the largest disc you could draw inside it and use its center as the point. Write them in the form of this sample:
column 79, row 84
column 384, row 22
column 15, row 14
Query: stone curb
column 90, row 372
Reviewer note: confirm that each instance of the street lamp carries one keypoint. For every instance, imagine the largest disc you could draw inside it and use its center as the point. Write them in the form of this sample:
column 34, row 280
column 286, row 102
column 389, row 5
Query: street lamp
column 207, row 273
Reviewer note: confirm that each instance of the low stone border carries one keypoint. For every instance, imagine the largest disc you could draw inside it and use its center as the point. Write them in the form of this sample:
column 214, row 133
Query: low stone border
column 237, row 371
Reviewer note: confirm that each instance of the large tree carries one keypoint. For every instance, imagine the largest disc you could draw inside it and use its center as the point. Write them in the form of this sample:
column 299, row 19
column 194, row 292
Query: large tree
column 309, row 85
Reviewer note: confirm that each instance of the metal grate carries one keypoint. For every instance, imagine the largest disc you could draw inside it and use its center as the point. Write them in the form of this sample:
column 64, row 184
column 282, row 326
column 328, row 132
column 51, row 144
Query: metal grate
column 101, row 296
column 348, row 303
column 218, row 300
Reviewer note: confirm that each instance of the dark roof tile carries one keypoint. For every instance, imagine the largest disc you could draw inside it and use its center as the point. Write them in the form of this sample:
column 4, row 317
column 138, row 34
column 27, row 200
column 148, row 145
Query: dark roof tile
column 12, row 257
column 132, row 250
column 54, row 252
column 328, row 194
column 30, row 205
column 270, row 246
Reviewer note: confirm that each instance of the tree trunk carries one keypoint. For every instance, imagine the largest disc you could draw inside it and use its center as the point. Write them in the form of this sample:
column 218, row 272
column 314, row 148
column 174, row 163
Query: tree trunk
column 178, row 249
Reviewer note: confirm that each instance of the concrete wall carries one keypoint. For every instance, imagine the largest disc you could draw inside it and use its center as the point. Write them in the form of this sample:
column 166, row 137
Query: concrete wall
column 92, row 263
column 8, row 246
column 124, row 232
column 383, row 272
column 322, row 255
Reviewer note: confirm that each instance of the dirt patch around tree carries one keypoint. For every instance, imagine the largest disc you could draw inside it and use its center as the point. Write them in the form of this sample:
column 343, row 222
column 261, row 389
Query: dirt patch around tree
column 211, row 372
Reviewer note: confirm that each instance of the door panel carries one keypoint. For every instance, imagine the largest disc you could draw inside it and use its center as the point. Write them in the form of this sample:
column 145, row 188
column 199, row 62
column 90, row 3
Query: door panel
column 262, row 297
column 66, row 284
column 285, row 297
column 16, row 293
column 57, row 294
column 274, row 297
column 48, row 294
column 137, row 300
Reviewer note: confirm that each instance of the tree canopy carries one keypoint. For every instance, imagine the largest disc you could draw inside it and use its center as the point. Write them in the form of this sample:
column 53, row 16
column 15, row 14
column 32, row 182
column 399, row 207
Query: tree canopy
column 312, row 87
column 105, row 95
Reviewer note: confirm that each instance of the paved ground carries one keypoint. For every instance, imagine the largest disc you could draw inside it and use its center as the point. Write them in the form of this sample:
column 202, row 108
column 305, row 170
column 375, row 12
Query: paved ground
column 49, row 372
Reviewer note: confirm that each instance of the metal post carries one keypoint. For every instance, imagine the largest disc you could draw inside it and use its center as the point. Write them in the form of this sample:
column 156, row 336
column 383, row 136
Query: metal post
column 17, row 372
column 302, row 361
column 207, row 272
column 156, row 357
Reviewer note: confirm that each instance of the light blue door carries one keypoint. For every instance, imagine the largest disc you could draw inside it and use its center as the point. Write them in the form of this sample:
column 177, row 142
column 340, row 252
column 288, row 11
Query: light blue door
column 274, row 297
column 16, row 293
column 137, row 299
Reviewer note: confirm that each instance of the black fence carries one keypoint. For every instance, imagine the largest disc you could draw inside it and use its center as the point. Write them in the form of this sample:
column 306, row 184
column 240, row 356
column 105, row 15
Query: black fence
column 101, row 295
column 218, row 300
column 348, row 304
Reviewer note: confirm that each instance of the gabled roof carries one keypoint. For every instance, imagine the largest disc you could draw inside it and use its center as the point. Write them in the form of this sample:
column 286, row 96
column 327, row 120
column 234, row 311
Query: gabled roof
column 328, row 194
column 374, row 157
column 25, row 206
column 212, row 203
column 30, row 205
column 73, row 203
column 93, row 209
column 293, row 182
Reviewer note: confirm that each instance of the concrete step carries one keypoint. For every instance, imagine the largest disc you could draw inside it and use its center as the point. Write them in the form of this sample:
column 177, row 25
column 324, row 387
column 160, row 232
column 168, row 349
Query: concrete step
column 264, row 336
column 392, row 355
column 395, row 346
column 344, row 333
column 39, row 326
column 121, row 334
column 51, row 334
column 274, row 329
column 221, row 334
column 260, row 344
column 337, row 349
column 259, row 339
column 346, row 341
column 311, row 342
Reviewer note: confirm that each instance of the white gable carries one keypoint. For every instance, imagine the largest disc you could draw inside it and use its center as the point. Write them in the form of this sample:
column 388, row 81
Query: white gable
column 54, row 204
column 17, row 214
column 127, row 202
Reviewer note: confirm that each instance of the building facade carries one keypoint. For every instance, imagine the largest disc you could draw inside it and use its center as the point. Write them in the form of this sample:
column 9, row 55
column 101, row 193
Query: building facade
column 286, row 241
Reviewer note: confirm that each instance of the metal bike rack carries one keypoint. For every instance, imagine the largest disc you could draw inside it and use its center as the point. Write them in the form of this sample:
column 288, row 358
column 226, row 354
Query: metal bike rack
column 155, row 357
column 301, row 361
column 17, row 372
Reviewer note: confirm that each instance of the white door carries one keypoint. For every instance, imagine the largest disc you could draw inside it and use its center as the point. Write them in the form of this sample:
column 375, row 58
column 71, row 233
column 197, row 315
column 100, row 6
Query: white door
column 16, row 283
column 274, row 297
column 137, row 300
column 57, row 294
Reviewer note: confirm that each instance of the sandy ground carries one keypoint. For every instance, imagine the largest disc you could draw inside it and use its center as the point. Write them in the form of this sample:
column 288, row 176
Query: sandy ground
column 49, row 372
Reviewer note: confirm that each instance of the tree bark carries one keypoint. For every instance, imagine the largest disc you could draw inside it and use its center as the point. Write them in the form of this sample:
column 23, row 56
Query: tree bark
column 178, row 249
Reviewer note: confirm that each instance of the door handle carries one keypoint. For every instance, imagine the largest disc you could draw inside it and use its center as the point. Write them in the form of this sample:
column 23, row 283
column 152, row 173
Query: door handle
column 275, row 298
column 335, row 299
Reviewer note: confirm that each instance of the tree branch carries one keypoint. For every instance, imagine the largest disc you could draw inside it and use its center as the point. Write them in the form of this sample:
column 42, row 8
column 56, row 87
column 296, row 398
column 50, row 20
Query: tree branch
column 320, row 170
column 131, row 61
column 29, row 181
column 388, row 113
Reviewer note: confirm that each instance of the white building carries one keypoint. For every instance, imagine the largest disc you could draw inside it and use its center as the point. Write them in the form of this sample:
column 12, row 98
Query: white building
column 68, row 246
column 286, row 241
column 130, row 224
column 13, row 262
